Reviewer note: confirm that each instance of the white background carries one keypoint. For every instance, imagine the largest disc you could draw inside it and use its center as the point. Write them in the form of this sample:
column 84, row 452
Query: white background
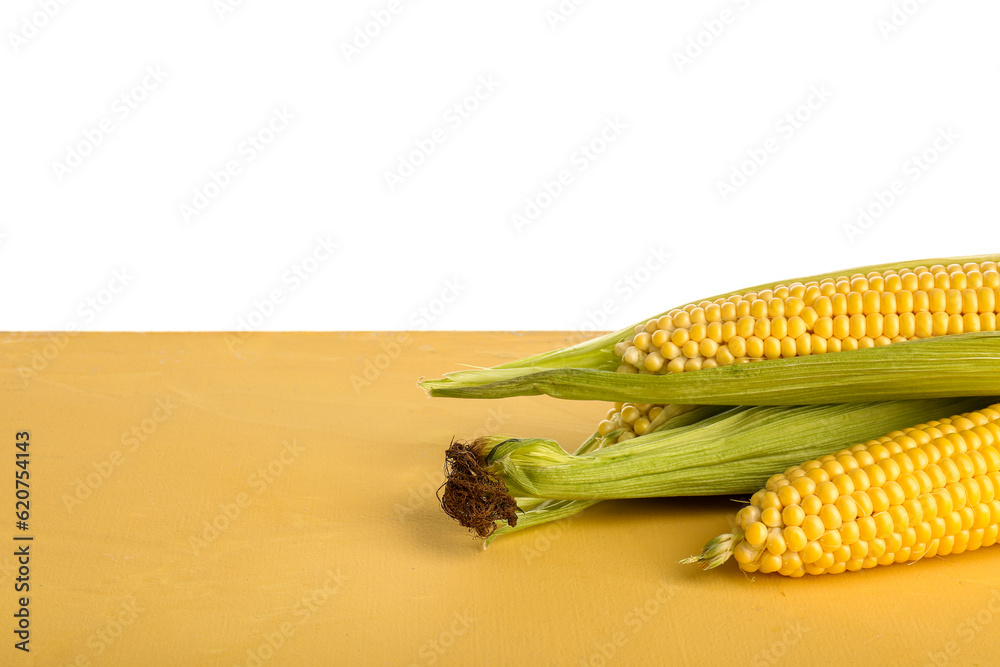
column 894, row 76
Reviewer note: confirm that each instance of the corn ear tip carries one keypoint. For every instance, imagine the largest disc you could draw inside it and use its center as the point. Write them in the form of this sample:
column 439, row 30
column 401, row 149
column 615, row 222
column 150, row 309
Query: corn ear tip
column 716, row 552
column 715, row 562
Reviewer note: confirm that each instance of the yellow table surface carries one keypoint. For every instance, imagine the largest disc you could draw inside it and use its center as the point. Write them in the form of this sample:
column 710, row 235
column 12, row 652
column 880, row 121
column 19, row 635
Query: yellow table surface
column 201, row 498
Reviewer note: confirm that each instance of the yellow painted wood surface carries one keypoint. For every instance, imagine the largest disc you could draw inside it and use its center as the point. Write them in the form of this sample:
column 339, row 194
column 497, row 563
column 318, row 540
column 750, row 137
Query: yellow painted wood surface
column 198, row 498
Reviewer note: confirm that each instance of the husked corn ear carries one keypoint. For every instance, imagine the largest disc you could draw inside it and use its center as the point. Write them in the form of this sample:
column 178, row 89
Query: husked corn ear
column 816, row 317
column 929, row 490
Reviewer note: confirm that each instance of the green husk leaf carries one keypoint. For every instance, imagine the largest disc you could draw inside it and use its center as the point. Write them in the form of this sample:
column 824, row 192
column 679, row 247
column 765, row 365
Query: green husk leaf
column 733, row 452
column 955, row 365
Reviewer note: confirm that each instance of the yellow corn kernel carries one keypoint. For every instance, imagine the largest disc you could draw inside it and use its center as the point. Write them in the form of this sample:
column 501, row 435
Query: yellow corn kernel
column 867, row 528
column 793, row 515
column 779, row 327
column 775, row 307
column 680, row 337
column 812, row 552
column 830, row 516
column 857, row 325
column 850, row 532
column 871, row 302
column 654, row 361
column 728, row 311
column 923, row 324
column 756, row 534
column 745, row 326
column 762, row 328
column 775, row 543
column 887, row 304
column 771, row 517
column 813, row 527
column 847, row 508
column 863, row 503
column 788, row 495
column 874, row 324
column 939, row 323
column 748, row 516
column 953, row 301
column 841, row 326
column 804, row 485
column 708, row 347
column 855, row 303
column 811, row 505
column 839, row 303
column 831, row 540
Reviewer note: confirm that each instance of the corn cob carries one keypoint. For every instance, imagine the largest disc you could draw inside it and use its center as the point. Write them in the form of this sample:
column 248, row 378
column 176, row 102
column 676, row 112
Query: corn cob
column 945, row 310
column 722, row 451
column 928, row 490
